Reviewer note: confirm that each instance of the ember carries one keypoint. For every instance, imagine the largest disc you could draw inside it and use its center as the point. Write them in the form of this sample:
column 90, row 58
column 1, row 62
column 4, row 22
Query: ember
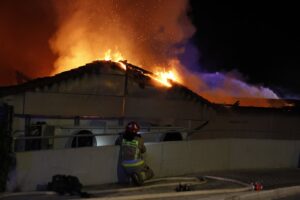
column 148, row 34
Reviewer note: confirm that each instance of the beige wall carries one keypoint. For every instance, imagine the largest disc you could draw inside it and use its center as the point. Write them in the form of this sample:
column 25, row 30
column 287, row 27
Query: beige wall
column 98, row 165
column 252, row 125
column 163, row 108
column 17, row 101
column 72, row 105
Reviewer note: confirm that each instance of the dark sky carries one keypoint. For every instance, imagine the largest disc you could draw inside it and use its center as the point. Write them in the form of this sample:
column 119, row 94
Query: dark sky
column 262, row 41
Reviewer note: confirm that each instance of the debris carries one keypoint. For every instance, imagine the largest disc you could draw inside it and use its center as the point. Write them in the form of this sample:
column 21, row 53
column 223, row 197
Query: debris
column 66, row 184
column 183, row 188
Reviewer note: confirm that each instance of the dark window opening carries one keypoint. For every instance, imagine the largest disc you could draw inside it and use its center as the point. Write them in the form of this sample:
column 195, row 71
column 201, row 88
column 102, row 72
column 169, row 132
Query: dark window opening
column 34, row 130
column 172, row 136
column 85, row 138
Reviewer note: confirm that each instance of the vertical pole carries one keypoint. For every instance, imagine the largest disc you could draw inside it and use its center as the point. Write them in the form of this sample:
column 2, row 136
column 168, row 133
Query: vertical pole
column 53, row 140
column 7, row 157
column 77, row 141
column 125, row 92
column 28, row 142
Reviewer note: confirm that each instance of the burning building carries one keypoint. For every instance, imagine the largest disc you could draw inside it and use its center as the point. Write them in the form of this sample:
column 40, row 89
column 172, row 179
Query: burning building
column 102, row 96
column 89, row 106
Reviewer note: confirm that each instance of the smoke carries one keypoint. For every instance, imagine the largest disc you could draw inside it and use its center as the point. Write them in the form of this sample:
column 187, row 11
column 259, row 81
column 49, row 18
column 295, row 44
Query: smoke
column 146, row 33
column 226, row 88
column 26, row 27
column 47, row 37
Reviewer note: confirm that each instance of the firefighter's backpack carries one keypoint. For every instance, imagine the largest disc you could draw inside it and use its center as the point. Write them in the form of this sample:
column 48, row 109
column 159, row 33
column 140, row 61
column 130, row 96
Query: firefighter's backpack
column 63, row 184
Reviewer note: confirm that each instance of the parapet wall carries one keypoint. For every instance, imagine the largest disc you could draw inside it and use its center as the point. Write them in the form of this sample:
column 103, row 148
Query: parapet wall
column 98, row 165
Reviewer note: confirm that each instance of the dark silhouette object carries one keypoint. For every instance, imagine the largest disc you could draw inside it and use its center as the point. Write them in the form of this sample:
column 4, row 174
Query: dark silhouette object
column 183, row 188
column 66, row 184
column 7, row 157
column 172, row 136
column 299, row 161
column 236, row 104
column 137, row 179
column 35, row 130
column 83, row 138
column 21, row 77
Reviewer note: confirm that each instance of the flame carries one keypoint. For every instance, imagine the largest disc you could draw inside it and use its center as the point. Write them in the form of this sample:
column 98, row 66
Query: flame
column 174, row 73
column 165, row 77
column 107, row 55
column 160, row 74
column 115, row 56
column 146, row 35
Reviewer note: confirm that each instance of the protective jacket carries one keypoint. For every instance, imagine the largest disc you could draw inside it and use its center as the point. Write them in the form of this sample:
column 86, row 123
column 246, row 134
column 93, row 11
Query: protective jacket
column 131, row 151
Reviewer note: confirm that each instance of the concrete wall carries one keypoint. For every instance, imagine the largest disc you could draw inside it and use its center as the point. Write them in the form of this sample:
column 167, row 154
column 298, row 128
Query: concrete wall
column 163, row 108
column 267, row 125
column 72, row 104
column 98, row 165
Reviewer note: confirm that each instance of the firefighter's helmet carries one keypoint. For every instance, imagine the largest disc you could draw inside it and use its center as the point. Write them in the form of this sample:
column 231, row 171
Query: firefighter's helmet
column 132, row 127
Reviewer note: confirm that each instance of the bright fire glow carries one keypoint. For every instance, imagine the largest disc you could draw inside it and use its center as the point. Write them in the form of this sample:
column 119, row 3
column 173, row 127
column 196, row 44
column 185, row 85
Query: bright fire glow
column 160, row 74
column 122, row 65
column 147, row 36
column 165, row 77
column 172, row 72
column 115, row 56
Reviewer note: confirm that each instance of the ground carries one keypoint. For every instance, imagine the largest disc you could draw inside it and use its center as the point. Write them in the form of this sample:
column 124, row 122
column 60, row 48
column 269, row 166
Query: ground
column 209, row 185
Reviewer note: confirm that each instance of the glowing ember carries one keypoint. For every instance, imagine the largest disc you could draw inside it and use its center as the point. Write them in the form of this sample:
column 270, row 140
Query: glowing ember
column 146, row 35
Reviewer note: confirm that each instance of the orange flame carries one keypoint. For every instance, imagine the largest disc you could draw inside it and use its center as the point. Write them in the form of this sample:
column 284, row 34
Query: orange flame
column 173, row 73
column 165, row 77
column 145, row 34
column 115, row 56
column 161, row 75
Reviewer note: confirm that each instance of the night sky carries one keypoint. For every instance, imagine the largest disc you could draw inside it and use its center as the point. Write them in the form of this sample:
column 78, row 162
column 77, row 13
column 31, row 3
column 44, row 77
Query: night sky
column 262, row 41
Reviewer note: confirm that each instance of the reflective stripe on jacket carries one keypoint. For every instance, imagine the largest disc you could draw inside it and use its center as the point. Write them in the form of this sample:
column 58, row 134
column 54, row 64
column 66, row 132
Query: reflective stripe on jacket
column 131, row 154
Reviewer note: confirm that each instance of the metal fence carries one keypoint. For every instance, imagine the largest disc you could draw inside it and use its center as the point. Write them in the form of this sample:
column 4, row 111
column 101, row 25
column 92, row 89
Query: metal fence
column 75, row 139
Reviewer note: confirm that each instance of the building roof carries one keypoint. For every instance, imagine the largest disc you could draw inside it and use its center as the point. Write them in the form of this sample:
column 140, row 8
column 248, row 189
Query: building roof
column 97, row 67
column 136, row 73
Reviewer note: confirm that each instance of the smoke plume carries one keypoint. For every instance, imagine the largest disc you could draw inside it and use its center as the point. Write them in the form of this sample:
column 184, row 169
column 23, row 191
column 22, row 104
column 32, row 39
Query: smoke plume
column 144, row 32
column 149, row 33
column 26, row 27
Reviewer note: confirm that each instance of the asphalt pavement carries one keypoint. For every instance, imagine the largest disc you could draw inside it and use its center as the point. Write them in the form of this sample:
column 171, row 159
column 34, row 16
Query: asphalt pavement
column 279, row 184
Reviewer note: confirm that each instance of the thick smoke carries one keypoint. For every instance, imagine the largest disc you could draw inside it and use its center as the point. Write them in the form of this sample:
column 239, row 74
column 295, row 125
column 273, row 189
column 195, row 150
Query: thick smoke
column 144, row 32
column 226, row 88
column 26, row 27
column 147, row 33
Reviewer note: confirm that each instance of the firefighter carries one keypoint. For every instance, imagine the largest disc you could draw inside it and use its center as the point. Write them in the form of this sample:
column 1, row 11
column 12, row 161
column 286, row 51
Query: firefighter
column 131, row 150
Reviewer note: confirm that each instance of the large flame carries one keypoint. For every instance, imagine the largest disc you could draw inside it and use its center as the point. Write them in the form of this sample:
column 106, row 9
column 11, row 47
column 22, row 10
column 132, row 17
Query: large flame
column 165, row 77
column 160, row 74
column 175, row 73
column 115, row 56
column 148, row 34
